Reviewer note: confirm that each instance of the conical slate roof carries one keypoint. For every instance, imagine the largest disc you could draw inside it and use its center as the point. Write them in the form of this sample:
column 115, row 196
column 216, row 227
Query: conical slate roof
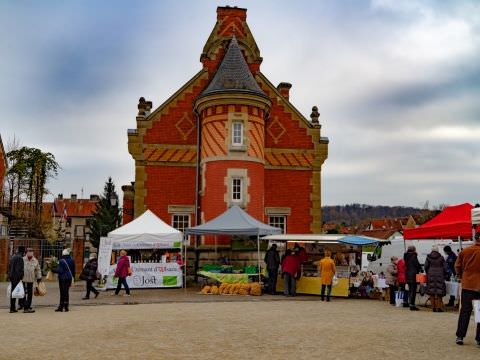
column 233, row 74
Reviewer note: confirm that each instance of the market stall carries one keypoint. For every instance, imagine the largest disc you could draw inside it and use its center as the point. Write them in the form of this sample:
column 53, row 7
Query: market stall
column 155, row 251
column 234, row 221
column 346, row 252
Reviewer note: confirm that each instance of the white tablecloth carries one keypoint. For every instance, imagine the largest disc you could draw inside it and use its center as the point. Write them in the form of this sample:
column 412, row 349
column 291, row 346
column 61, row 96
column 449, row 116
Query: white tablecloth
column 453, row 288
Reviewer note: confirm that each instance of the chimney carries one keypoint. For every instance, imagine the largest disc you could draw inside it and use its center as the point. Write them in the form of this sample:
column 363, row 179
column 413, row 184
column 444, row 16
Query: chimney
column 60, row 197
column 94, row 197
column 226, row 12
column 73, row 197
column 284, row 89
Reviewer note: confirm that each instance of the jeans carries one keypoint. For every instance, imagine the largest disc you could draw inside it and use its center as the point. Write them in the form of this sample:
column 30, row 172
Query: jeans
column 64, row 286
column 13, row 301
column 412, row 293
column 122, row 280
column 272, row 280
column 466, row 308
column 91, row 288
column 393, row 288
column 289, row 284
column 329, row 291
column 26, row 302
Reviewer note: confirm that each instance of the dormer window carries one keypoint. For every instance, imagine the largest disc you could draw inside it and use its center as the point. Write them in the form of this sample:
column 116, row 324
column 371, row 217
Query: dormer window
column 237, row 133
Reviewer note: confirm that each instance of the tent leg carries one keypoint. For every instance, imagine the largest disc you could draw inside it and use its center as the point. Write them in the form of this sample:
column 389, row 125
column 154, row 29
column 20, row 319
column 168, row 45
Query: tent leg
column 258, row 256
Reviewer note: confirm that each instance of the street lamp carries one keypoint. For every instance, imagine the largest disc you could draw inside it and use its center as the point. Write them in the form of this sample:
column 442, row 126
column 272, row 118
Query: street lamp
column 113, row 199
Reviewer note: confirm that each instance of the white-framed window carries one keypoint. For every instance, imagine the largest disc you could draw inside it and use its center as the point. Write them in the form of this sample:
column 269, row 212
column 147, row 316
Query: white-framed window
column 181, row 221
column 279, row 221
column 237, row 189
column 237, row 133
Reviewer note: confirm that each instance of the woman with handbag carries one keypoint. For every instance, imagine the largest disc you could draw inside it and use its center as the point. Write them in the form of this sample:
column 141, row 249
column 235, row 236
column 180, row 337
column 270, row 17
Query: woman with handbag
column 66, row 276
column 89, row 274
column 121, row 272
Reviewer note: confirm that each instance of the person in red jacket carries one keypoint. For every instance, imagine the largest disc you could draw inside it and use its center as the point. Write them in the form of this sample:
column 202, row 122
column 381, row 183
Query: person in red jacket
column 290, row 270
column 121, row 272
column 402, row 280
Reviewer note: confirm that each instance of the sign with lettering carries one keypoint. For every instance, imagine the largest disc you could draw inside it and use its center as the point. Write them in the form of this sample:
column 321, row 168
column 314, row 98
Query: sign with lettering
column 149, row 275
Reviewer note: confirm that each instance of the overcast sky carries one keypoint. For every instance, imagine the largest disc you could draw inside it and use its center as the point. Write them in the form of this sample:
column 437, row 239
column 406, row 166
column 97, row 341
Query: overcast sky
column 397, row 84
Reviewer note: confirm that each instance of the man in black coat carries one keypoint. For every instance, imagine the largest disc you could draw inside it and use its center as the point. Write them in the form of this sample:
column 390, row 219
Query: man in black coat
column 15, row 274
column 412, row 268
column 272, row 260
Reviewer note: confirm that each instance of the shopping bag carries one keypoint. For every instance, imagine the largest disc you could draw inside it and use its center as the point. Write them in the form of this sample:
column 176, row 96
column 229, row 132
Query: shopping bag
column 41, row 289
column 476, row 310
column 19, row 291
column 421, row 278
column 49, row 276
column 399, row 295
column 334, row 280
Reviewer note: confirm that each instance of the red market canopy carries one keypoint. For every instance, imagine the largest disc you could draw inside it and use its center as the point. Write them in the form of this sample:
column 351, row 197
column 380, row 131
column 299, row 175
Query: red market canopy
column 451, row 223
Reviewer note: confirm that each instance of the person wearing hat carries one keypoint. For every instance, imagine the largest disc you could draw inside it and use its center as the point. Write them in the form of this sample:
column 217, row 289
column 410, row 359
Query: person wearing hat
column 467, row 268
column 89, row 274
column 15, row 274
column 66, row 273
column 272, row 260
column 32, row 272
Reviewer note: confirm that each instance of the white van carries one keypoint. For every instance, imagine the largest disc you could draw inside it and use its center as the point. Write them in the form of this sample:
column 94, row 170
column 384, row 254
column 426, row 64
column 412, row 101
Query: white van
column 398, row 246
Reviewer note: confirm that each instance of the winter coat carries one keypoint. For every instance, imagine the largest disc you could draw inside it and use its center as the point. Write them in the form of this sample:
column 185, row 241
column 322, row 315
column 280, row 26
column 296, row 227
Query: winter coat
column 272, row 259
column 451, row 258
column 16, row 268
column 123, row 264
column 291, row 265
column 32, row 270
column 401, row 271
column 65, row 264
column 89, row 271
column 327, row 269
column 436, row 269
column 412, row 266
column 391, row 274
column 302, row 255
column 467, row 267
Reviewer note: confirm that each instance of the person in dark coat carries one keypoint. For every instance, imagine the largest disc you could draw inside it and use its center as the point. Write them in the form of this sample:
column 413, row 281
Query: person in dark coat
column 412, row 268
column 436, row 269
column 15, row 274
column 89, row 274
column 450, row 259
column 272, row 260
column 66, row 272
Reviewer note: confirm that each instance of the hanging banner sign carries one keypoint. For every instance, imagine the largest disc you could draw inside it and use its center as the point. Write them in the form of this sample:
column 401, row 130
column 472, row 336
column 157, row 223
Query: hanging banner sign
column 104, row 256
column 149, row 275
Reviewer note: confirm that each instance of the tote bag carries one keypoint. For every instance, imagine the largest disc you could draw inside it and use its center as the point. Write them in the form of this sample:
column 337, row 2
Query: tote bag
column 476, row 310
column 399, row 298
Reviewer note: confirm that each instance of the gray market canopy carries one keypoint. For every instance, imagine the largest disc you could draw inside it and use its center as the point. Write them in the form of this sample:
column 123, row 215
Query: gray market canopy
column 234, row 221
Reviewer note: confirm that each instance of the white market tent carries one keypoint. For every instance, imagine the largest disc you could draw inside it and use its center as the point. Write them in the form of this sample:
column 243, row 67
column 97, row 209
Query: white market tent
column 476, row 216
column 147, row 231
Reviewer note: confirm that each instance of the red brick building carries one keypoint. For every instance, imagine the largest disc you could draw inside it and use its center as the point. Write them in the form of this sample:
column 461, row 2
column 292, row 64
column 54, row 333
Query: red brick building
column 228, row 136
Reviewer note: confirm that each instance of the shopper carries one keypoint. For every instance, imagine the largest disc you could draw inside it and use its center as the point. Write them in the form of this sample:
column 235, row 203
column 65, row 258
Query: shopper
column 290, row 270
column 436, row 269
column 450, row 259
column 89, row 274
column 391, row 278
column 272, row 261
column 121, row 272
column 467, row 268
column 66, row 273
column 32, row 273
column 327, row 270
column 402, row 281
column 412, row 268
column 15, row 274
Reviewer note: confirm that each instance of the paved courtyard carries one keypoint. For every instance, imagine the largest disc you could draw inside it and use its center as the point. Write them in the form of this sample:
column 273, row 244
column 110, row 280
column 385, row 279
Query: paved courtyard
column 175, row 324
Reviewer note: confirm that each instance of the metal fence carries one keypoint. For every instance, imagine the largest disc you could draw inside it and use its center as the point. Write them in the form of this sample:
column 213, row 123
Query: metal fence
column 42, row 249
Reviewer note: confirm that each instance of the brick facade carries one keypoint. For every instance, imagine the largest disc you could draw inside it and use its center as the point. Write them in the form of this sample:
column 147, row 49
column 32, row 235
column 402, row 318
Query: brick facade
column 279, row 163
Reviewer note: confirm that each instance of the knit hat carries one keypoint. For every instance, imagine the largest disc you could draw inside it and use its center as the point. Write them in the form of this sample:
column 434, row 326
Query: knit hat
column 435, row 247
column 65, row 252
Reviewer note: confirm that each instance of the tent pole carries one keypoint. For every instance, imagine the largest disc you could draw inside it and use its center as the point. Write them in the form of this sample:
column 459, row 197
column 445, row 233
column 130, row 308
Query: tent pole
column 258, row 255
column 216, row 256
column 185, row 261
column 460, row 242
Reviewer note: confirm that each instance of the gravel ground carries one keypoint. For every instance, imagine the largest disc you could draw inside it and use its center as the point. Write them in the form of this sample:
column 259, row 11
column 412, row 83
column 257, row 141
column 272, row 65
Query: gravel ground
column 221, row 327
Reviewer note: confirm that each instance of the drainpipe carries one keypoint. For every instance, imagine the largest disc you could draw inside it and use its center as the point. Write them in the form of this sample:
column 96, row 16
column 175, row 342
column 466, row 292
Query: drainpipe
column 197, row 192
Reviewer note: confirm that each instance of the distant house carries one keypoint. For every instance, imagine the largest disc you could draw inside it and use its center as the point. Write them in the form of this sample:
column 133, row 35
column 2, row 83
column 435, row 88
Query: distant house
column 388, row 228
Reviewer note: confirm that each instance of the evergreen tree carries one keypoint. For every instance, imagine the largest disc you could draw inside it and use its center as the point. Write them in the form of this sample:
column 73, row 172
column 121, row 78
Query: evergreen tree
column 107, row 216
